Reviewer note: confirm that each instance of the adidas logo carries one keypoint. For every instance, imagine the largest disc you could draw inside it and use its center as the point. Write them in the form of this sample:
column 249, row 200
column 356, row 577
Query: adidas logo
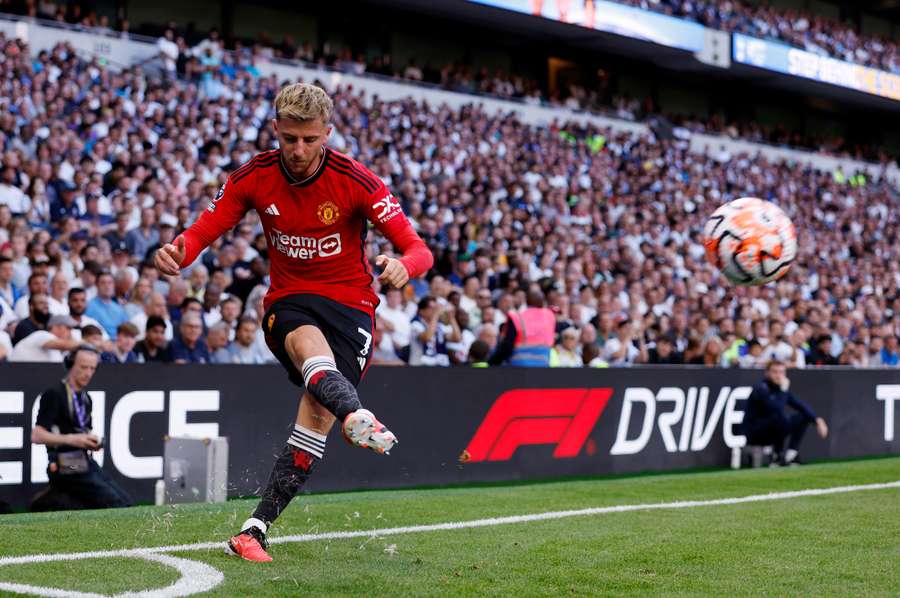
column 272, row 210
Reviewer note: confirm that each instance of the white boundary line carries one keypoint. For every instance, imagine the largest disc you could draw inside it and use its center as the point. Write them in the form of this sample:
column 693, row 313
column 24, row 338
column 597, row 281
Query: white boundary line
column 196, row 577
column 489, row 522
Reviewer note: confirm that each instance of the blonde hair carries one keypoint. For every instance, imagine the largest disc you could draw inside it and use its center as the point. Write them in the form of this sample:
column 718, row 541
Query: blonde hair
column 301, row 101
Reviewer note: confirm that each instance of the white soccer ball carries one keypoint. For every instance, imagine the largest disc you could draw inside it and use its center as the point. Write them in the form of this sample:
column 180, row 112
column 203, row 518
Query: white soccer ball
column 750, row 241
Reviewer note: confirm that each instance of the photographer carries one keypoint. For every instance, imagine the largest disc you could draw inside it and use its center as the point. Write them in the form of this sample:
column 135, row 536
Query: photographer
column 64, row 425
column 765, row 422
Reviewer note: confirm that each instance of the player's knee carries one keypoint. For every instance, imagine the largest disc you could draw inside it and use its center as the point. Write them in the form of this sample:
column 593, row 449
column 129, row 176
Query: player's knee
column 303, row 342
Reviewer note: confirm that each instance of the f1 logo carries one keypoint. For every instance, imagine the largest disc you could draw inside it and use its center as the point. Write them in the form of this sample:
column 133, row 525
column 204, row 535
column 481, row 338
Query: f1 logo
column 561, row 416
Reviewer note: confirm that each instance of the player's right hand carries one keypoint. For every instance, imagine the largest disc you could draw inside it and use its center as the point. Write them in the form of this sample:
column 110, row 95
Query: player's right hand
column 168, row 258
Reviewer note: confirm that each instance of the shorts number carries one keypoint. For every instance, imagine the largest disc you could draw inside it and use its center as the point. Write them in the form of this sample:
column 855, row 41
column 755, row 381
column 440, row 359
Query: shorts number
column 368, row 341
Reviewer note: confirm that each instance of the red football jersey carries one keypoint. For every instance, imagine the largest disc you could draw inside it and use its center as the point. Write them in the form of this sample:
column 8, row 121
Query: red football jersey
column 315, row 228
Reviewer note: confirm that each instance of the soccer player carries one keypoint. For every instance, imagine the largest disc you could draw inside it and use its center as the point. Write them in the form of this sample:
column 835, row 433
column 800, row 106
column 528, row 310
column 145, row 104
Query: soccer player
column 320, row 308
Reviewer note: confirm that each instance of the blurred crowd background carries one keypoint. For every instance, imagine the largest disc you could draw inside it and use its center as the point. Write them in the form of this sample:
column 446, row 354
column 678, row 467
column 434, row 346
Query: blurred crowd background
column 101, row 167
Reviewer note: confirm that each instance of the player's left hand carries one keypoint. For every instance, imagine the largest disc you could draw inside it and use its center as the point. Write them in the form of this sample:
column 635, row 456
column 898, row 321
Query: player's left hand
column 394, row 272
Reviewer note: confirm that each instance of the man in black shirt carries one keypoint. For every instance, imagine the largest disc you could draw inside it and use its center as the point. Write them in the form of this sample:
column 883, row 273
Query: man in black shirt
column 664, row 352
column 38, row 316
column 821, row 352
column 765, row 422
column 64, row 425
column 154, row 346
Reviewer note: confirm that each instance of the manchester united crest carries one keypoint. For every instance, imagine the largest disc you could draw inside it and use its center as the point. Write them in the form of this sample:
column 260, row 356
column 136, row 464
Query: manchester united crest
column 328, row 212
column 271, row 322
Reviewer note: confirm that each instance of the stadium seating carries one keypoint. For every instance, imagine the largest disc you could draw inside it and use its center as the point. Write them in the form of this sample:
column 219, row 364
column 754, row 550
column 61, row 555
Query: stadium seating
column 607, row 220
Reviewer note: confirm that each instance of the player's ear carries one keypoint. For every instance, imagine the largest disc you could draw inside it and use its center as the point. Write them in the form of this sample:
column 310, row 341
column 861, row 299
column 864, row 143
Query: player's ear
column 275, row 125
column 328, row 130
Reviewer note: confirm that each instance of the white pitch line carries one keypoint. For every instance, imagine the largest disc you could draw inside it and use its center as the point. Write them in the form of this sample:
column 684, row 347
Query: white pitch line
column 195, row 578
column 489, row 522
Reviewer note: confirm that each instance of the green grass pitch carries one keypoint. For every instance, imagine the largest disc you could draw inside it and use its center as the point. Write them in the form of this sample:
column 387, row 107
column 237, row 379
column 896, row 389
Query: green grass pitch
column 837, row 544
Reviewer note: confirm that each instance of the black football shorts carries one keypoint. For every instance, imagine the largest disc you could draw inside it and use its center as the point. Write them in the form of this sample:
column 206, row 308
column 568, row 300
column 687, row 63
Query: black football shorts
column 348, row 332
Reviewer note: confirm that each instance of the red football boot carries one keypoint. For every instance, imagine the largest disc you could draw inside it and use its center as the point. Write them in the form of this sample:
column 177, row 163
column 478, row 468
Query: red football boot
column 250, row 545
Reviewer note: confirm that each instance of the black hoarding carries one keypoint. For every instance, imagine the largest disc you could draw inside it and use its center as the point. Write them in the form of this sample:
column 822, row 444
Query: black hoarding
column 454, row 424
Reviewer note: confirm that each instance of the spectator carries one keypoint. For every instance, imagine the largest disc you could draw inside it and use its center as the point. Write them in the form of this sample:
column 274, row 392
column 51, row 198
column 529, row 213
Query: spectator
column 217, row 344
column 489, row 334
column 244, row 347
column 821, row 352
column 854, row 355
column 567, row 354
column 57, row 300
column 65, row 207
column 154, row 347
column 210, row 308
column 38, row 317
column 139, row 240
column 467, row 300
column 459, row 350
column 104, row 307
column 189, row 346
column 395, row 323
column 88, row 277
column 231, row 313
column 64, row 424
column 875, row 356
column 621, row 350
column 47, row 345
column 8, row 292
column 380, row 354
column 412, row 71
column 592, row 358
column 177, row 294
column 37, row 285
column 93, row 335
column 116, row 237
column 754, row 356
column 778, row 347
column 139, row 296
column 121, row 266
column 664, row 352
column 77, row 304
column 123, row 350
column 168, row 53
column 430, row 330
column 10, row 195
column 484, row 305
column 479, row 351
column 154, row 305
column 890, row 355
column 713, row 355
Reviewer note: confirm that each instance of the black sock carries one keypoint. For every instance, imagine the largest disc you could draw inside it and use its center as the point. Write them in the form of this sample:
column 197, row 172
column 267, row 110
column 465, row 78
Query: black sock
column 291, row 470
column 330, row 388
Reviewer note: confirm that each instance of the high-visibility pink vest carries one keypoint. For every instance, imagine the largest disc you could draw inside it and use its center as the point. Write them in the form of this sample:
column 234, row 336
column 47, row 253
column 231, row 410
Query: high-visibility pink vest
column 535, row 335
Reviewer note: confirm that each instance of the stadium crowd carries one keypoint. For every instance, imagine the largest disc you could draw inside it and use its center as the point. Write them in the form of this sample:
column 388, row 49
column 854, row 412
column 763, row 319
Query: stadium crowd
column 187, row 52
column 814, row 33
column 800, row 28
column 100, row 168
